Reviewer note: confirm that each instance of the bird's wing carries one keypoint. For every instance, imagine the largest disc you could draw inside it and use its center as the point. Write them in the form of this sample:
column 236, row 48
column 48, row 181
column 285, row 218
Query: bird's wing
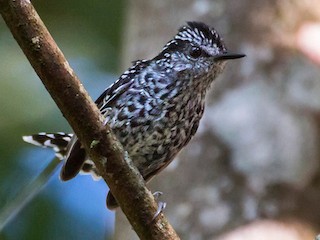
column 77, row 156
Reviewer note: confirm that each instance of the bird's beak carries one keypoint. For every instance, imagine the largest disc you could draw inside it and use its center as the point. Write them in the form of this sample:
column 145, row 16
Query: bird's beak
column 227, row 56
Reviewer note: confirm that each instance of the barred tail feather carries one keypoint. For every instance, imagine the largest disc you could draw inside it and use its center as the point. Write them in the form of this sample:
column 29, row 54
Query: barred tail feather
column 57, row 141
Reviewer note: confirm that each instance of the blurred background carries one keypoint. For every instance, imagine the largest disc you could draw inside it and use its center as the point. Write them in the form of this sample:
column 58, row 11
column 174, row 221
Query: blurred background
column 251, row 172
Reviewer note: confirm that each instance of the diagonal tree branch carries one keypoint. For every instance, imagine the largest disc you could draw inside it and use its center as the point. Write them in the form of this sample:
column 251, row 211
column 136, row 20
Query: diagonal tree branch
column 114, row 165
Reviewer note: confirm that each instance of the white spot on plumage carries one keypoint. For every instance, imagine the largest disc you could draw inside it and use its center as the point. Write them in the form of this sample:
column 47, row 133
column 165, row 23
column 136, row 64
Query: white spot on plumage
column 29, row 139
column 50, row 135
column 66, row 138
column 47, row 143
column 59, row 155
column 56, row 148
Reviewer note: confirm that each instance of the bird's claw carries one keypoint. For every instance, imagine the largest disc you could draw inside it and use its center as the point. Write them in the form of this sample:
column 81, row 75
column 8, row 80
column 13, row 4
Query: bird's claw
column 161, row 205
column 157, row 194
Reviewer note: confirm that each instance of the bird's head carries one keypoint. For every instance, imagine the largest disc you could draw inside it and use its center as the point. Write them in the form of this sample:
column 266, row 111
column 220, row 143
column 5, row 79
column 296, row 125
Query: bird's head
column 196, row 49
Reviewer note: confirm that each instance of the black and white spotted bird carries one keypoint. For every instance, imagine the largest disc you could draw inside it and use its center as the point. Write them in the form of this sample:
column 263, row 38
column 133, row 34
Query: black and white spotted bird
column 154, row 108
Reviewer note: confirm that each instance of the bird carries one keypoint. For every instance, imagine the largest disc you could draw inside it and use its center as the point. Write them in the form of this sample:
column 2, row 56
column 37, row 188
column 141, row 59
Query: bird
column 154, row 108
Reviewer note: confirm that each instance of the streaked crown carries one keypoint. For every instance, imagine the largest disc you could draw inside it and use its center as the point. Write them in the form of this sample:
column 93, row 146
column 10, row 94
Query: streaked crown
column 197, row 34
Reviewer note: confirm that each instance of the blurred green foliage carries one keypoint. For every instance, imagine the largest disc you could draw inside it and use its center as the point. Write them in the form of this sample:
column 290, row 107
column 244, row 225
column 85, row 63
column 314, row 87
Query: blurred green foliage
column 89, row 34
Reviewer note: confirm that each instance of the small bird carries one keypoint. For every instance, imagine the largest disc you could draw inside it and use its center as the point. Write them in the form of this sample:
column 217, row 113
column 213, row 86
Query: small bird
column 154, row 108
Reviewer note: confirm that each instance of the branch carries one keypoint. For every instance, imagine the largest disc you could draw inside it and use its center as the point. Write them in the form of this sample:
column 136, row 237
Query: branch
column 116, row 168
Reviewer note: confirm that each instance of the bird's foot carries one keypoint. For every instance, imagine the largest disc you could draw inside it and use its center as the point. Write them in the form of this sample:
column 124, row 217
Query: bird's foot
column 161, row 205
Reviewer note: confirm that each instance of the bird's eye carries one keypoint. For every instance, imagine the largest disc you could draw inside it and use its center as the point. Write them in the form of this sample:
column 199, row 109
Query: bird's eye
column 195, row 52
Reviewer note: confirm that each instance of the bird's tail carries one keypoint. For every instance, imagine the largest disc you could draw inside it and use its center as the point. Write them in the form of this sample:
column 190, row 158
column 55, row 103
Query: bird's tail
column 57, row 141
column 60, row 142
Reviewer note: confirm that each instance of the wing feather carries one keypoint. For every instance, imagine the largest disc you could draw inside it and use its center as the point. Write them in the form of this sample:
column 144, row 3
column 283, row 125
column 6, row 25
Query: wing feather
column 77, row 156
